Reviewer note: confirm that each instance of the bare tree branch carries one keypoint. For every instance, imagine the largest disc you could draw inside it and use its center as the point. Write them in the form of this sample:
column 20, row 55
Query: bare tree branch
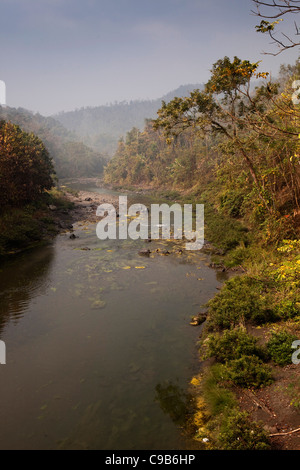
column 277, row 10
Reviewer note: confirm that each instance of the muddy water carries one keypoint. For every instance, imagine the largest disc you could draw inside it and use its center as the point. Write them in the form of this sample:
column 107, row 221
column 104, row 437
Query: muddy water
column 99, row 346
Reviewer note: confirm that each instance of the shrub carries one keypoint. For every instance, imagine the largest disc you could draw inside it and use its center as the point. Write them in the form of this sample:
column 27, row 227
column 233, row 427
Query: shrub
column 289, row 307
column 248, row 372
column 280, row 347
column 224, row 232
column 238, row 432
column 232, row 345
column 241, row 299
column 232, row 203
column 237, row 256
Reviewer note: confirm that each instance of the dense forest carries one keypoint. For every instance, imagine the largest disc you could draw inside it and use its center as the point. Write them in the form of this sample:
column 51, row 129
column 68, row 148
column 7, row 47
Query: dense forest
column 101, row 127
column 236, row 143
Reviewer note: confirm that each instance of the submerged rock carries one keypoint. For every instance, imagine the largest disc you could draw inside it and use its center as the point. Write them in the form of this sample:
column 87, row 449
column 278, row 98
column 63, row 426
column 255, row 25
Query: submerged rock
column 165, row 253
column 199, row 319
column 220, row 267
column 98, row 304
column 144, row 253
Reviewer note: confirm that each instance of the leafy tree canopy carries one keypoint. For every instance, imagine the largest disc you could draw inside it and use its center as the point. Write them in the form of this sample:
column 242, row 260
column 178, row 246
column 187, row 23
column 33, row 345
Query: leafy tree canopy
column 25, row 166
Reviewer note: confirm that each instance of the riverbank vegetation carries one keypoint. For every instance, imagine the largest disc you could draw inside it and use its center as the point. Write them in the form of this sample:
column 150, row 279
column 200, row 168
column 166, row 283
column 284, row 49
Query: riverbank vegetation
column 27, row 190
column 234, row 146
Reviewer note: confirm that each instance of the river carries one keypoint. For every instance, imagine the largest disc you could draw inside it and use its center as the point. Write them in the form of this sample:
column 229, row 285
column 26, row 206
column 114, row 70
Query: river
column 99, row 346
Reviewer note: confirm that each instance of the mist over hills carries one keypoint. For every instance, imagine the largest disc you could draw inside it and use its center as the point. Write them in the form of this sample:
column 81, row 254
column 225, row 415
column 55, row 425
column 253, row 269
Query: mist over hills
column 71, row 157
column 101, row 127
column 81, row 141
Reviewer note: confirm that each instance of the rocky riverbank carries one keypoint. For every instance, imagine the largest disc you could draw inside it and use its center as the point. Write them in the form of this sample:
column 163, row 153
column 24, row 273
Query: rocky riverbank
column 84, row 207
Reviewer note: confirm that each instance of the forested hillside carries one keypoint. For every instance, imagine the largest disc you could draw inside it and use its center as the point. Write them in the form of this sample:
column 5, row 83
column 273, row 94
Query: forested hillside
column 101, row 127
column 70, row 156
column 238, row 145
column 235, row 148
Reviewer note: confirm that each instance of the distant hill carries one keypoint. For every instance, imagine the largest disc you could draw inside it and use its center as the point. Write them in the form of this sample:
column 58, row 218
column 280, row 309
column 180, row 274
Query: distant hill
column 72, row 158
column 101, row 127
column 80, row 141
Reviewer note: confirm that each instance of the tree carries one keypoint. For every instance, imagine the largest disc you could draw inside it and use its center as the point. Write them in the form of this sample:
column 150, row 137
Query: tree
column 277, row 10
column 25, row 166
column 250, row 122
column 216, row 109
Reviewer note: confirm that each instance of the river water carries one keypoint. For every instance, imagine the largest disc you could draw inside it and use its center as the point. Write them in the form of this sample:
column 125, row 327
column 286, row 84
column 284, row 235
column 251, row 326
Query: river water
column 99, row 347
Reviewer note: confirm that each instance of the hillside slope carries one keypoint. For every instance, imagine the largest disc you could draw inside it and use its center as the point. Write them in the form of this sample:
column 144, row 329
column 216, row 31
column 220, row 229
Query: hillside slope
column 72, row 158
column 101, row 127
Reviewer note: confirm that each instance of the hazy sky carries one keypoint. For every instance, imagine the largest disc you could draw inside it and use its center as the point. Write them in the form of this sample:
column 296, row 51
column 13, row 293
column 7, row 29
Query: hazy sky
column 64, row 54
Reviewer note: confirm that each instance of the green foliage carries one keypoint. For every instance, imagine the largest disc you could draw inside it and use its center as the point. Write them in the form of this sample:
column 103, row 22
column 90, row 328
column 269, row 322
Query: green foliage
column 224, row 232
column 248, row 372
column 280, row 347
column 258, row 132
column 238, row 144
column 266, row 26
column 233, row 344
column 289, row 270
column 18, row 229
column 145, row 158
column 218, row 399
column 57, row 197
column 228, row 76
column 232, row 203
column 76, row 160
column 227, row 426
column 237, row 256
column 21, row 228
column 238, row 432
column 241, row 299
column 25, row 166
column 289, row 306
column 31, row 224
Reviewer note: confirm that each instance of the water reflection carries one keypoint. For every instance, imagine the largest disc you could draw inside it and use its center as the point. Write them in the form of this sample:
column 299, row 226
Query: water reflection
column 104, row 345
column 175, row 402
column 21, row 279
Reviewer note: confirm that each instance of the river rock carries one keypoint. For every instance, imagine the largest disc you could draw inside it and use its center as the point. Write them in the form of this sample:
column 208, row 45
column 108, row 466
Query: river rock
column 144, row 253
column 220, row 267
column 165, row 253
column 199, row 319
